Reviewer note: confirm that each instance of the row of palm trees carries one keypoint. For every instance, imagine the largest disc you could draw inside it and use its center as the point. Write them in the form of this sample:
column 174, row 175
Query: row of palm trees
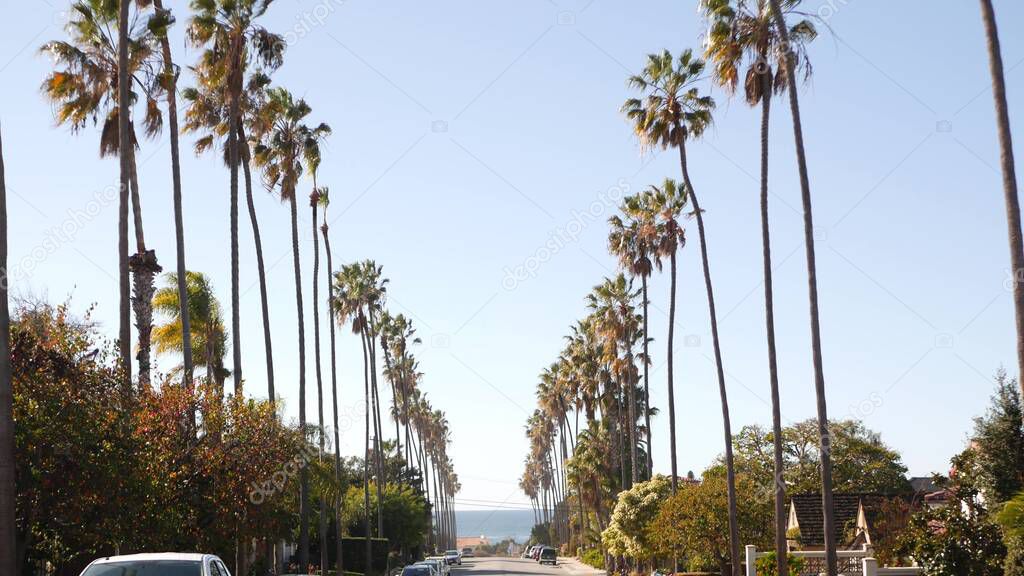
column 765, row 41
column 233, row 110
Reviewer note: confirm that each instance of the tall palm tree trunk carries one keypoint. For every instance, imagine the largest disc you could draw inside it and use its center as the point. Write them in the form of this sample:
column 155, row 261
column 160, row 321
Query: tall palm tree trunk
column 334, row 394
column 233, row 120
column 669, row 365
column 394, row 396
column 647, row 388
column 831, row 559
column 631, row 414
column 304, row 473
column 378, row 432
column 368, row 569
column 769, row 307
column 171, row 87
column 314, row 201
column 995, row 60
column 734, row 533
column 8, row 541
column 144, row 268
column 124, row 143
column 260, row 268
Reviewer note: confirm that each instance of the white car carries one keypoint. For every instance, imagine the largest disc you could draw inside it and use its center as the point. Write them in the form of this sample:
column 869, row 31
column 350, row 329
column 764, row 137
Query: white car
column 437, row 563
column 164, row 564
column 453, row 557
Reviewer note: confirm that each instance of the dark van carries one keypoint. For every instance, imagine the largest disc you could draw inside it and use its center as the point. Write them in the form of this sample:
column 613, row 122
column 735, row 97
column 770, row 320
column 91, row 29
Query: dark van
column 549, row 556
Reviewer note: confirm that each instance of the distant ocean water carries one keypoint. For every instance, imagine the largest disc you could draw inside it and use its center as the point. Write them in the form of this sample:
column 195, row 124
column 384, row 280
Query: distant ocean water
column 496, row 525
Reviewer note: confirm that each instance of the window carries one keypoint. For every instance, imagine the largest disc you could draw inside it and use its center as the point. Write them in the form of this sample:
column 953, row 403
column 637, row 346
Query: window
column 146, row 568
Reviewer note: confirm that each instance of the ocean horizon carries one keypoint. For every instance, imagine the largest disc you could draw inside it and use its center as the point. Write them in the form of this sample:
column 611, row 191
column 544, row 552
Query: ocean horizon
column 495, row 525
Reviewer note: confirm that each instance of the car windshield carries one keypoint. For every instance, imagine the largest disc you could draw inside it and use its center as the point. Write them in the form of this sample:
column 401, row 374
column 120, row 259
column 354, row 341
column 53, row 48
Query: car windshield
column 548, row 552
column 146, row 568
column 452, row 553
column 416, row 571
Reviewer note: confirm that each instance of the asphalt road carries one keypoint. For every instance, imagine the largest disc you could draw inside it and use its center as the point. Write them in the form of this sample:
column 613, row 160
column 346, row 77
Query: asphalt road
column 517, row 566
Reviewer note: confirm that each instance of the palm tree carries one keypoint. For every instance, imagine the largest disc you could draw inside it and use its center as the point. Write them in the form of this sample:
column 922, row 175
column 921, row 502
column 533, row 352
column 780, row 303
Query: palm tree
column 210, row 338
column 358, row 288
column 226, row 29
column 324, row 202
column 207, row 115
column 741, row 33
column 671, row 112
column 314, row 203
column 8, row 555
column 618, row 329
column 667, row 204
column 290, row 144
column 169, row 83
column 790, row 67
column 995, row 61
column 633, row 244
column 100, row 75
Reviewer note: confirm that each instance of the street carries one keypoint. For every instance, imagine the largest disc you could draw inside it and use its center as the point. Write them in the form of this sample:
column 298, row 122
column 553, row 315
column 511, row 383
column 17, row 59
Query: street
column 503, row 566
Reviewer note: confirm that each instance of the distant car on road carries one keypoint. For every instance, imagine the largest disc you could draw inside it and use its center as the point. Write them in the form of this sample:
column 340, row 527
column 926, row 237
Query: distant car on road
column 548, row 556
column 467, row 552
column 452, row 557
column 164, row 564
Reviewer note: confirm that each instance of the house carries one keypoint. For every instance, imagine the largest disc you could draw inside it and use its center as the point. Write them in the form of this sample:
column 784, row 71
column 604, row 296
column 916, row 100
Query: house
column 472, row 542
column 861, row 519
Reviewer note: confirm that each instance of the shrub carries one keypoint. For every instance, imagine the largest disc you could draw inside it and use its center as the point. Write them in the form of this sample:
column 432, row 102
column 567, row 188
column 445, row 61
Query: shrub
column 766, row 564
column 593, row 557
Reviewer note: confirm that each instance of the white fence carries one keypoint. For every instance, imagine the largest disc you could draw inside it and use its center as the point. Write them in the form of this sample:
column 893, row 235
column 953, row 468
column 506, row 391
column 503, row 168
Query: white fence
column 851, row 562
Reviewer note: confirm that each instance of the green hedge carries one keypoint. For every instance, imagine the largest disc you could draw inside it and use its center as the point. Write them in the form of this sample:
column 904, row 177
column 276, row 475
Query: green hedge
column 353, row 554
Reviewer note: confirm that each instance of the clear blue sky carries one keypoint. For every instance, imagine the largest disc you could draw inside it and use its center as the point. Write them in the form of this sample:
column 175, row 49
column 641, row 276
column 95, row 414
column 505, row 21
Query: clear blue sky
column 468, row 134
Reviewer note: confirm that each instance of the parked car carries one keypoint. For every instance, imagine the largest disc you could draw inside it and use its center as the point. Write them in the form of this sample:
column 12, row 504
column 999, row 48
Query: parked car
column 452, row 557
column 467, row 552
column 548, row 556
column 440, row 563
column 431, row 565
column 164, row 564
column 536, row 551
column 418, row 570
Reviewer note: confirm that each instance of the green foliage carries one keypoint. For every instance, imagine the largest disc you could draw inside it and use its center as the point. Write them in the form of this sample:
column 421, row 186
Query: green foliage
column 766, row 564
column 694, row 524
column 540, row 533
column 861, row 461
column 627, row 534
column 593, row 557
column 998, row 444
column 404, row 510
column 952, row 541
column 99, row 471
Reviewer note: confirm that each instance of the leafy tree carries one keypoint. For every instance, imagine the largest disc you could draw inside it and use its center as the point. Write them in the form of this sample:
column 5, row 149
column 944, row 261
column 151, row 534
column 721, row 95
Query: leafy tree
column 73, row 443
column 627, row 535
column 694, row 524
column 998, row 444
column 862, row 462
column 954, row 541
column 404, row 509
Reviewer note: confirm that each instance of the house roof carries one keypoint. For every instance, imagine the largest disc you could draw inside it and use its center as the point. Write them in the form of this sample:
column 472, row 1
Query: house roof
column 809, row 515
column 923, row 485
column 877, row 508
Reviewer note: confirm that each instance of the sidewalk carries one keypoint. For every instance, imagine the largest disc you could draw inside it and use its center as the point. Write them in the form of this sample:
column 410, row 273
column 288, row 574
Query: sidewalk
column 577, row 568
